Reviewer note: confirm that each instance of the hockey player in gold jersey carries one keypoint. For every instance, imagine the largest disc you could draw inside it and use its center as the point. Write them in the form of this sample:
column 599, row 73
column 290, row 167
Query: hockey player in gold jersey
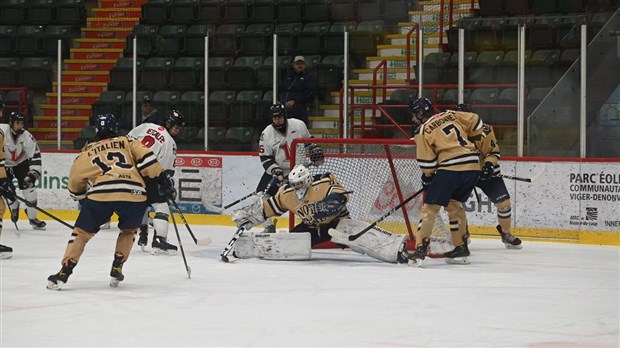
column 492, row 184
column 450, row 167
column 321, row 205
column 7, row 191
column 117, row 168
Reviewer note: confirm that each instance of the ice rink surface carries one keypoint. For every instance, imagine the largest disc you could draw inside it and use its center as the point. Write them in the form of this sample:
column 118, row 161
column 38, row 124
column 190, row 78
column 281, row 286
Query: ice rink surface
column 545, row 295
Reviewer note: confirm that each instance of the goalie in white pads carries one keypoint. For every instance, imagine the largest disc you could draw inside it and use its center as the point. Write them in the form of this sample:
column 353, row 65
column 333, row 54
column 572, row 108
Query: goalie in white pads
column 321, row 205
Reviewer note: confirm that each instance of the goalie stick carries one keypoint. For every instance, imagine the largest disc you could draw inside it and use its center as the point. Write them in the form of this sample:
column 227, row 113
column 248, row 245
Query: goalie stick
column 224, row 255
column 271, row 182
column 204, row 241
column 176, row 229
column 359, row 234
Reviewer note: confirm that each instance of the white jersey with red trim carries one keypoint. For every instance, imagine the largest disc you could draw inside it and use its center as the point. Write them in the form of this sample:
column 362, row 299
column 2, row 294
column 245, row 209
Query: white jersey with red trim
column 157, row 138
column 274, row 147
column 18, row 148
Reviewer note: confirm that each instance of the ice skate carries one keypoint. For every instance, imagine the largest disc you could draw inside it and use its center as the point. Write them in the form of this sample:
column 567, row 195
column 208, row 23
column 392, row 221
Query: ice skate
column 58, row 280
column 161, row 246
column 458, row 256
column 419, row 254
column 37, row 224
column 510, row 241
column 117, row 270
column 5, row 252
column 402, row 255
column 143, row 238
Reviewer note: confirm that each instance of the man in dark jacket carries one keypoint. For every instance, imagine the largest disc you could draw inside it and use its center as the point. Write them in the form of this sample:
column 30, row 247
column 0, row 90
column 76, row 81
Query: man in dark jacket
column 297, row 90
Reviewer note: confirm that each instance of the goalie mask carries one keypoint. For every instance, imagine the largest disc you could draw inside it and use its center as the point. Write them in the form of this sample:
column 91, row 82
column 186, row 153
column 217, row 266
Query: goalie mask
column 300, row 180
column 278, row 117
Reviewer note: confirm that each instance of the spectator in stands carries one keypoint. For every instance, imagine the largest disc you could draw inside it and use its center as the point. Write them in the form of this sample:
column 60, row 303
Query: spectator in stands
column 297, row 90
column 148, row 110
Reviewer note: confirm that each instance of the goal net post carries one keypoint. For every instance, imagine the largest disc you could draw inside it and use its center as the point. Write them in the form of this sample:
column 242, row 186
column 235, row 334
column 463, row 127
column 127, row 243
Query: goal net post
column 382, row 173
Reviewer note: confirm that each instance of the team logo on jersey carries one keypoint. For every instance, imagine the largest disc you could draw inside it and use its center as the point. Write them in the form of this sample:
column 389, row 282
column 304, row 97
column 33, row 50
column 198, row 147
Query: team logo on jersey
column 15, row 157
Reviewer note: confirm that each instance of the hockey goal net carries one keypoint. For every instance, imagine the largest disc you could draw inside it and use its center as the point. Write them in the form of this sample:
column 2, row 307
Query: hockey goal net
column 382, row 173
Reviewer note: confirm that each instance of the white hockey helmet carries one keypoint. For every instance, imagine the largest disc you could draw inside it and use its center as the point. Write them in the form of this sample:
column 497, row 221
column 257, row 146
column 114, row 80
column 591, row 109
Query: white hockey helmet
column 300, row 179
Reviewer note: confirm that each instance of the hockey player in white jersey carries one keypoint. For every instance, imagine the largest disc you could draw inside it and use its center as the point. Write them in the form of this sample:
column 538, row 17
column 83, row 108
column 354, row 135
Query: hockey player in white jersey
column 23, row 162
column 160, row 139
column 274, row 149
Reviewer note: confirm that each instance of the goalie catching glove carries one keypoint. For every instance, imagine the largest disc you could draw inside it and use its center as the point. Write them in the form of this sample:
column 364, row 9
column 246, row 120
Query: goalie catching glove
column 249, row 216
column 331, row 205
column 316, row 154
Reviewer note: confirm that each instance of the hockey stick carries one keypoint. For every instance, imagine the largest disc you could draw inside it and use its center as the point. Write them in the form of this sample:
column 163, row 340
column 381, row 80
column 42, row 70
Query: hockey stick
column 204, row 241
column 532, row 179
column 368, row 228
column 43, row 211
column 176, row 229
column 224, row 255
column 271, row 182
column 8, row 205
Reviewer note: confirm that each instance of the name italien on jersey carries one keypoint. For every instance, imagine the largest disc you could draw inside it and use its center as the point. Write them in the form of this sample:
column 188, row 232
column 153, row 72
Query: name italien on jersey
column 108, row 145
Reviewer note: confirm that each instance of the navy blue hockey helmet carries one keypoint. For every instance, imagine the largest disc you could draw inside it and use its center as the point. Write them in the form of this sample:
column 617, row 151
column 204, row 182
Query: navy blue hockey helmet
column 106, row 126
column 420, row 106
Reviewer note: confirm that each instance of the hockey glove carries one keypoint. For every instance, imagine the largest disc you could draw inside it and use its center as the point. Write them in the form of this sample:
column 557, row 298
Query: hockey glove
column 316, row 154
column 426, row 181
column 31, row 177
column 7, row 190
column 249, row 216
column 331, row 205
column 487, row 171
column 279, row 175
column 166, row 185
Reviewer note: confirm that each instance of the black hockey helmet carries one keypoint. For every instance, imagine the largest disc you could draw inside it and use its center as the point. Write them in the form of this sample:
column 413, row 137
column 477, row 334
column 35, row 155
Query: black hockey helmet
column 278, row 110
column 14, row 117
column 174, row 118
column 106, row 126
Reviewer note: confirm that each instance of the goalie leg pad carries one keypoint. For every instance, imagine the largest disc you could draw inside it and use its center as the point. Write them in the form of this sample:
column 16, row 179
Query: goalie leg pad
column 376, row 243
column 274, row 246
